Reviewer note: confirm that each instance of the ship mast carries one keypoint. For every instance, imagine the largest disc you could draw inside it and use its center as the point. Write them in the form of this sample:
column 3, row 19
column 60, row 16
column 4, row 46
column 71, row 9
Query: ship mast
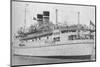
column 25, row 17
column 56, row 16
column 78, row 18
column 78, row 23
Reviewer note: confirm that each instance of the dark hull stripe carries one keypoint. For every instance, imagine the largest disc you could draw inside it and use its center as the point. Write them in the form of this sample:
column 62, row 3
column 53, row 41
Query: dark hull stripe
column 68, row 57
column 60, row 57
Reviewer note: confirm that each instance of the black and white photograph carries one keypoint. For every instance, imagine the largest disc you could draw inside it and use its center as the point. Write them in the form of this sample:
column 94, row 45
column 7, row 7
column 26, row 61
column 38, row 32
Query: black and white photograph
column 52, row 33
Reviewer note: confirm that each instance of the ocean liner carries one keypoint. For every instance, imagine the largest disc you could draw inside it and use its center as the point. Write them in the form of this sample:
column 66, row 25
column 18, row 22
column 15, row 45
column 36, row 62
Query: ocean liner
column 53, row 40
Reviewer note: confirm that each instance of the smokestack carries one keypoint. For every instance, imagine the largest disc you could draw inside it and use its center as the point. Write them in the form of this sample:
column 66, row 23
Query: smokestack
column 40, row 18
column 46, row 16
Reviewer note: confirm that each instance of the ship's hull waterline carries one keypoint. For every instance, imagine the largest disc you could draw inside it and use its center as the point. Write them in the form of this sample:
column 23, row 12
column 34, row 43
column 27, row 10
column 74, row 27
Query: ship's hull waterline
column 71, row 50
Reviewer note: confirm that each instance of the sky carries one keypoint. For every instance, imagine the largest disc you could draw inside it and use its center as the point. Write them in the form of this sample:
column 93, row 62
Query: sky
column 66, row 13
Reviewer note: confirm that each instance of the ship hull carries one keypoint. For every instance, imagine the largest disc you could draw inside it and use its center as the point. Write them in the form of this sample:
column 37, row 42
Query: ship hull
column 70, row 50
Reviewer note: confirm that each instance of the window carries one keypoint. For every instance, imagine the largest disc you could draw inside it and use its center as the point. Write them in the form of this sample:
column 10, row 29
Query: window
column 70, row 37
column 91, row 36
column 22, row 44
column 56, row 38
column 64, row 31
